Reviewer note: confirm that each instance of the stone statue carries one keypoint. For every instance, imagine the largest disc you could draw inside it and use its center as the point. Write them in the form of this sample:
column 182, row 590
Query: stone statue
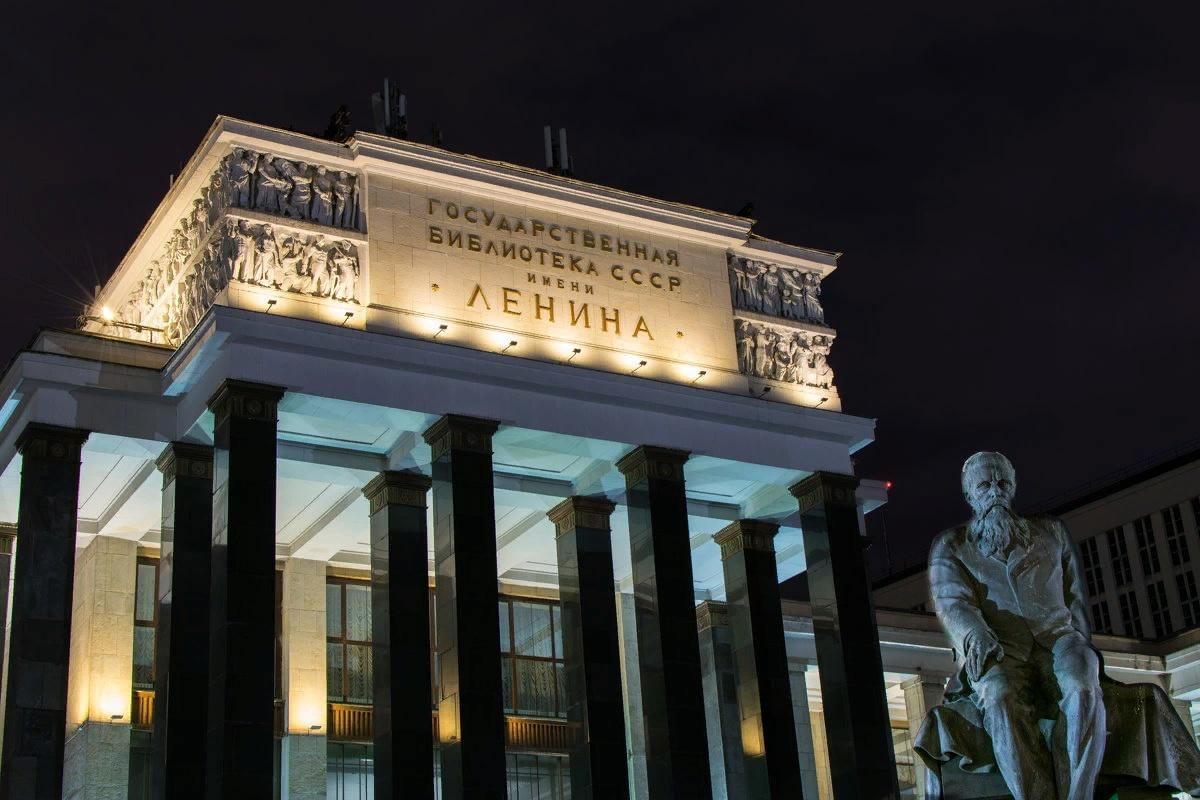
column 812, row 298
column 272, row 189
column 1009, row 593
column 266, row 257
column 744, row 335
column 316, row 257
column 301, row 190
column 345, row 271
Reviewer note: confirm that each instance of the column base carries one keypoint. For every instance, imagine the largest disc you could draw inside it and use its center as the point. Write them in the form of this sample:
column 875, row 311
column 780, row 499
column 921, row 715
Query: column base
column 303, row 765
column 96, row 762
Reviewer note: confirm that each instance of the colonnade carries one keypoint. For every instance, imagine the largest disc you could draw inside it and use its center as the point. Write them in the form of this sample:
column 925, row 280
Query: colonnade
column 216, row 627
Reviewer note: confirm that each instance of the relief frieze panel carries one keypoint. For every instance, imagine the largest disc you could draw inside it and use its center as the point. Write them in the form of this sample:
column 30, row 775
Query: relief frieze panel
column 292, row 189
column 783, row 353
column 775, row 290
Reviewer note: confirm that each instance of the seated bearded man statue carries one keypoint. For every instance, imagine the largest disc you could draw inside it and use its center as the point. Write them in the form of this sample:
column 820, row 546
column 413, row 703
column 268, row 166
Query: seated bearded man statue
column 1009, row 594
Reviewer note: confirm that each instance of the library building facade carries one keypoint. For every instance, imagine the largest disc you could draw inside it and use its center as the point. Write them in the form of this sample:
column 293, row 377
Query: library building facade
column 377, row 470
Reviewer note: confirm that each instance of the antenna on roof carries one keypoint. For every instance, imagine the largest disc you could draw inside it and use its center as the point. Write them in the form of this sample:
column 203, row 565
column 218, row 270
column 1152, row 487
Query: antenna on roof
column 558, row 159
column 390, row 109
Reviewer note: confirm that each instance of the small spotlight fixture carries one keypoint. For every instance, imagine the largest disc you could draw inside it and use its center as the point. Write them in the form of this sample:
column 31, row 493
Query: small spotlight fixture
column 313, row 728
column 763, row 393
column 441, row 329
column 639, row 366
column 116, row 718
column 271, row 305
column 821, row 402
column 509, row 346
column 699, row 375
column 106, row 314
column 346, row 318
column 574, row 352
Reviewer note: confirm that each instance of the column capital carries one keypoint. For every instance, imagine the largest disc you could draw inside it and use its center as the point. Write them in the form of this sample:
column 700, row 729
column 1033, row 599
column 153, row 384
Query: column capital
column 51, row 442
column 246, row 400
column 825, row 488
column 186, row 460
column 746, row 534
column 582, row 512
column 647, row 461
column 712, row 614
column 397, row 487
column 458, row 432
column 925, row 679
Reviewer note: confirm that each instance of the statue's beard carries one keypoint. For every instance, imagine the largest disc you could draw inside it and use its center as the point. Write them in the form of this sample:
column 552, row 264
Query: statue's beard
column 996, row 529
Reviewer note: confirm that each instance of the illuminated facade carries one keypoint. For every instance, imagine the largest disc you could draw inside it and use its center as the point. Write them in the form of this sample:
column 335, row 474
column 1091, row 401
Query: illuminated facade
column 376, row 465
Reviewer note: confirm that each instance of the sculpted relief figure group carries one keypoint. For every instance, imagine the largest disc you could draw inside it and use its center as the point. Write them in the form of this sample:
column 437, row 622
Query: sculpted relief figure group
column 774, row 290
column 198, row 260
column 782, row 354
column 293, row 262
column 294, row 189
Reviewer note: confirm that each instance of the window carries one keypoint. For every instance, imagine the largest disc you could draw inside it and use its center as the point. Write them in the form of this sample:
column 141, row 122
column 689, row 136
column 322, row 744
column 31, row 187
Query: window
column 1176, row 539
column 348, row 641
column 145, row 619
column 1159, row 612
column 1092, row 572
column 1189, row 599
column 1119, row 554
column 531, row 658
column 1101, row 622
column 537, row 777
column 1143, row 531
column 1131, row 617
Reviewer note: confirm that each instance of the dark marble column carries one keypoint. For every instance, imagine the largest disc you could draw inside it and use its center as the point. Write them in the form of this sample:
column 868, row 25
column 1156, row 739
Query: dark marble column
column 470, row 706
column 592, row 657
column 861, row 759
column 241, row 707
column 400, row 635
column 668, row 645
column 35, row 713
column 725, row 761
column 764, row 693
column 180, row 733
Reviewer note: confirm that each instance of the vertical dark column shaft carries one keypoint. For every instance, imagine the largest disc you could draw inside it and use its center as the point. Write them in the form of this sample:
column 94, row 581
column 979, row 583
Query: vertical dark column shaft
column 400, row 635
column 35, row 714
column 725, row 760
column 179, row 739
column 470, row 706
column 764, row 693
column 592, row 656
column 668, row 645
column 241, row 711
column 861, row 758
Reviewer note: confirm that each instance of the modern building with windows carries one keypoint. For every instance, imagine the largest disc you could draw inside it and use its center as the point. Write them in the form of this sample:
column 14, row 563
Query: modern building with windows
column 376, row 466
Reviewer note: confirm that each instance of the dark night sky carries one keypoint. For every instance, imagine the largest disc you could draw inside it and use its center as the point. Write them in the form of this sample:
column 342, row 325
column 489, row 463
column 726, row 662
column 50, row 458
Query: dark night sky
column 1016, row 189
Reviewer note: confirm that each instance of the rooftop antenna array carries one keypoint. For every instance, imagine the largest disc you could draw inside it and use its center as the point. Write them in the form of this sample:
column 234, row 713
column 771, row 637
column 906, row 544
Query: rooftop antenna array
column 558, row 158
column 391, row 111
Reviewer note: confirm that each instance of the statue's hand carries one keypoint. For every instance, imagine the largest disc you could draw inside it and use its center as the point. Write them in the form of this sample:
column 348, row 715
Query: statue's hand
column 981, row 648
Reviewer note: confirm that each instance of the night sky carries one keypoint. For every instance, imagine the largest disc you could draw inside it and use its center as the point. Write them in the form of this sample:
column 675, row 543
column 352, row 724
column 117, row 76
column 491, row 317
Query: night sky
column 1016, row 189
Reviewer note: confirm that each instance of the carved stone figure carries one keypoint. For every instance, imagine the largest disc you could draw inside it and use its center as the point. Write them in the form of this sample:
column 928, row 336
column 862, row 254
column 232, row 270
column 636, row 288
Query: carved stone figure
column 771, row 300
column 343, row 201
column 266, row 257
column 320, row 280
column 291, row 265
column 784, row 354
column 322, row 203
column 812, row 297
column 1009, row 593
column 791, row 284
column 762, row 351
column 345, row 269
column 271, row 188
column 242, row 166
column 241, row 247
column 300, row 193
column 745, row 346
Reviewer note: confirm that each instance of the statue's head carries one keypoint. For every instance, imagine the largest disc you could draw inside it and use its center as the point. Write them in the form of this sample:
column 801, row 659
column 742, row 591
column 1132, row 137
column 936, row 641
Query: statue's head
column 989, row 483
column 988, row 479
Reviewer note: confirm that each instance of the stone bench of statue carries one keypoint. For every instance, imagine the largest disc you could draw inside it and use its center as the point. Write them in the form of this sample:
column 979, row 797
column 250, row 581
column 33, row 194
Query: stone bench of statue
column 1031, row 715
